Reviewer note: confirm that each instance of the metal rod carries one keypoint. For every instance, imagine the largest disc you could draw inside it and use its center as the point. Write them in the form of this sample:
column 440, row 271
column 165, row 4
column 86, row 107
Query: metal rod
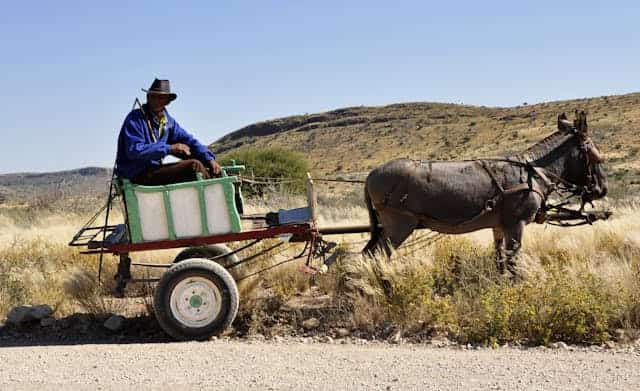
column 137, row 280
column 106, row 223
column 300, row 232
column 349, row 229
column 254, row 255
column 157, row 265
column 338, row 180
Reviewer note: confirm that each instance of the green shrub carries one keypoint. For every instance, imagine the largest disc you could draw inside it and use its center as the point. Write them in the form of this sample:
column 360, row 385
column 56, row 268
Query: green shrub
column 271, row 163
column 578, row 308
column 413, row 302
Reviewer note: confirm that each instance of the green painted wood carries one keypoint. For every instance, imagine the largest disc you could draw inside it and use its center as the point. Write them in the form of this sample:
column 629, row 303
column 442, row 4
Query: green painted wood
column 133, row 212
column 203, row 209
column 167, row 210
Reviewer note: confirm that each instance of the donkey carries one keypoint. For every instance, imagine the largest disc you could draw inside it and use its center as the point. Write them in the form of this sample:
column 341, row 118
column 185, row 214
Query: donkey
column 504, row 194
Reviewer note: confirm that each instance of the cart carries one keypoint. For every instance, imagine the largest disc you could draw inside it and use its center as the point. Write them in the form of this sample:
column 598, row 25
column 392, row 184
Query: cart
column 197, row 297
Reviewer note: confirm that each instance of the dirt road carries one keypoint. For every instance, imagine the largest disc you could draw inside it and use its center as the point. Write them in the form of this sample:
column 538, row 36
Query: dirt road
column 235, row 365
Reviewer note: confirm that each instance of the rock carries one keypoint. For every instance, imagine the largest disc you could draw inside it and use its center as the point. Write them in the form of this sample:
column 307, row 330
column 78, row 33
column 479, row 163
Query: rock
column 626, row 336
column 17, row 315
column 441, row 342
column 326, row 339
column 27, row 313
column 311, row 323
column 40, row 312
column 114, row 323
column 610, row 345
column 396, row 337
column 47, row 322
column 559, row 345
column 342, row 332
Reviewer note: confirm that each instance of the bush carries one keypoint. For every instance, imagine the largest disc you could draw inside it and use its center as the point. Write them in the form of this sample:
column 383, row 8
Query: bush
column 271, row 164
column 560, row 307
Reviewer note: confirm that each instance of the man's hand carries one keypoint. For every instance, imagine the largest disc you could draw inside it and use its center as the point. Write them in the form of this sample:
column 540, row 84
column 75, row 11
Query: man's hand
column 215, row 168
column 180, row 150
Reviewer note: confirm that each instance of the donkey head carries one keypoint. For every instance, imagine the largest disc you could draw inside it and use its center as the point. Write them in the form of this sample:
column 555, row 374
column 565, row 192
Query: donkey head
column 584, row 166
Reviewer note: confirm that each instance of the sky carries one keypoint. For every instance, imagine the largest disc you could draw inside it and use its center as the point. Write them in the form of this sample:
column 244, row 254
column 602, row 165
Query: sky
column 70, row 70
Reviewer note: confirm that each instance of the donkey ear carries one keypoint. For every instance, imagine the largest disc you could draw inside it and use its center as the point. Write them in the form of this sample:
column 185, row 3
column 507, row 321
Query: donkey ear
column 563, row 123
column 582, row 122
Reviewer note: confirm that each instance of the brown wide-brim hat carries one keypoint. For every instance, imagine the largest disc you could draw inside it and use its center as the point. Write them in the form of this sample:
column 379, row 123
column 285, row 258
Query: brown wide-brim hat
column 161, row 87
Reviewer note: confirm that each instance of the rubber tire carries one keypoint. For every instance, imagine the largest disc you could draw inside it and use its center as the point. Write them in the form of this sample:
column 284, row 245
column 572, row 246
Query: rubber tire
column 210, row 251
column 203, row 268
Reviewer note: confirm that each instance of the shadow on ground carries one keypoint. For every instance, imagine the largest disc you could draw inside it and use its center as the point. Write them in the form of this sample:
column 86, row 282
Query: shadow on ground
column 81, row 329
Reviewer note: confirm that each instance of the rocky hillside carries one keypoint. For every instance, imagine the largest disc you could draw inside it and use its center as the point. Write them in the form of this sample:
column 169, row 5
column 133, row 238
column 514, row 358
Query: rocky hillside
column 356, row 139
column 22, row 187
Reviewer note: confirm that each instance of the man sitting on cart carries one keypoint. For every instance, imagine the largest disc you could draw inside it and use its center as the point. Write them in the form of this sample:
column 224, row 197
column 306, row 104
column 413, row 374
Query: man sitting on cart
column 149, row 134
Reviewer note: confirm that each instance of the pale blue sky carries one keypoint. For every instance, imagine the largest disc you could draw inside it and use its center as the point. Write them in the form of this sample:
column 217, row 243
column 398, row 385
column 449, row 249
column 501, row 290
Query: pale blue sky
column 70, row 70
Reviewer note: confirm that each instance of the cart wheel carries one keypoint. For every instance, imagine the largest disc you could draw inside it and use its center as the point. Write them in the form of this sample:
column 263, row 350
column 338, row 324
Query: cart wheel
column 195, row 299
column 209, row 251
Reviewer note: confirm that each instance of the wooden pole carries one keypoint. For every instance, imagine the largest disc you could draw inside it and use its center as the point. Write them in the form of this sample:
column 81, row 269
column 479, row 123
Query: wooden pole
column 312, row 199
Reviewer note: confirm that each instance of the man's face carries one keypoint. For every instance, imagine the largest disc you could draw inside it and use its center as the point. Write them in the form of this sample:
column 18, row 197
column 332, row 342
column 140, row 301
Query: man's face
column 157, row 102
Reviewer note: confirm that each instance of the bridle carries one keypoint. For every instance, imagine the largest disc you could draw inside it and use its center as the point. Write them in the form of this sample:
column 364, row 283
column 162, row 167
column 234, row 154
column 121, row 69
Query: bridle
column 554, row 183
column 590, row 156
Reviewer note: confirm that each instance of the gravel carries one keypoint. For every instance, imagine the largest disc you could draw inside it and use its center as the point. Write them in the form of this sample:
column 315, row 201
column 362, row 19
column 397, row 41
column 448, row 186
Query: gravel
column 295, row 364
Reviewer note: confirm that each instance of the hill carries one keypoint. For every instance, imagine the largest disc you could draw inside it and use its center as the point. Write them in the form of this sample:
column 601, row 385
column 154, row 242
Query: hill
column 21, row 187
column 356, row 139
column 348, row 142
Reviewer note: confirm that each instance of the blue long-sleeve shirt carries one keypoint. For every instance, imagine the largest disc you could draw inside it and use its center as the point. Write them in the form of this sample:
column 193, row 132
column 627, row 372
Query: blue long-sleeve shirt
column 138, row 152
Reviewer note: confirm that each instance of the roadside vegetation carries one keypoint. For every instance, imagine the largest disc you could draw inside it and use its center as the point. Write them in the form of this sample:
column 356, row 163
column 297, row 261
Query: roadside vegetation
column 580, row 285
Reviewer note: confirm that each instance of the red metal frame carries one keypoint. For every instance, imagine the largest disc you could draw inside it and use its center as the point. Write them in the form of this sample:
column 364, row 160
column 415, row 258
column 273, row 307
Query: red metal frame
column 301, row 233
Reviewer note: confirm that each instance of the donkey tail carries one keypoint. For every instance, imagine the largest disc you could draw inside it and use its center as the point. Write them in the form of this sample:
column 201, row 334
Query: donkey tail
column 377, row 241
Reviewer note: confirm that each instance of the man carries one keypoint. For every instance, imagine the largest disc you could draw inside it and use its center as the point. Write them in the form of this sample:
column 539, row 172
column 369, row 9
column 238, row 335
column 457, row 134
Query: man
column 149, row 134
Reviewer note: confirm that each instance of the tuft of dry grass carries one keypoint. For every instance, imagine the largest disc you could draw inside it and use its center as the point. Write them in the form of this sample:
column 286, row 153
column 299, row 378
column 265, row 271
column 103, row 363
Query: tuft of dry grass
column 580, row 284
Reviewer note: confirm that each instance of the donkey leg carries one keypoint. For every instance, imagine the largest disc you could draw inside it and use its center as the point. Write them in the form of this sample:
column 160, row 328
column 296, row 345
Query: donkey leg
column 498, row 243
column 397, row 226
column 513, row 243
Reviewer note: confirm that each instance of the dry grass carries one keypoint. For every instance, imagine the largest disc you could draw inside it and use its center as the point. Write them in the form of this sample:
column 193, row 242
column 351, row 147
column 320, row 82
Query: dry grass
column 579, row 284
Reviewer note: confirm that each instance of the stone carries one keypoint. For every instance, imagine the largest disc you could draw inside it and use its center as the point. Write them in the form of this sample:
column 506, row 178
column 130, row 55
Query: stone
column 47, row 322
column 114, row 323
column 342, row 332
column 440, row 342
column 39, row 312
column 311, row 323
column 326, row 339
column 396, row 337
column 27, row 313
column 559, row 345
